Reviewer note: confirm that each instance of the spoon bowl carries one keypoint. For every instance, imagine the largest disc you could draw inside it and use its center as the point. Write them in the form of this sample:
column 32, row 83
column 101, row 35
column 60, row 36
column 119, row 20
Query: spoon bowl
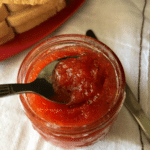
column 42, row 85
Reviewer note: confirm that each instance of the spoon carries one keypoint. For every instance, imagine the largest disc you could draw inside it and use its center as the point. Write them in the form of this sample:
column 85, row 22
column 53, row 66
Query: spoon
column 42, row 85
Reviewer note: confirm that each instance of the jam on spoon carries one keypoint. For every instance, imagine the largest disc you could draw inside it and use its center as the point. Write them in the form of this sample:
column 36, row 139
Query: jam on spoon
column 42, row 85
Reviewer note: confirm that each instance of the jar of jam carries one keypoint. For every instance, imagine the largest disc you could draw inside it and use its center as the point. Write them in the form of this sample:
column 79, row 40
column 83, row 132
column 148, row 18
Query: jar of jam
column 94, row 82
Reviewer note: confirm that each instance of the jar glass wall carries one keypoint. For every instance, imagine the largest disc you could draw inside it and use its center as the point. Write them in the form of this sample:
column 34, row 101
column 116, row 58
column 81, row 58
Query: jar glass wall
column 65, row 134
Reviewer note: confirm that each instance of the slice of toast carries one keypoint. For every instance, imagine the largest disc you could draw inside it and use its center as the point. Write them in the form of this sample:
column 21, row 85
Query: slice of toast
column 21, row 17
column 62, row 4
column 16, row 7
column 3, row 12
column 34, row 22
column 7, row 37
column 28, row 2
column 38, row 20
column 4, row 29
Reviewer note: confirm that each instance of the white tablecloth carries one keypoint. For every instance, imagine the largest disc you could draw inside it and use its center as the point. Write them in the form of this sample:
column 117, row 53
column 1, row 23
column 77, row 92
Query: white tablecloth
column 123, row 25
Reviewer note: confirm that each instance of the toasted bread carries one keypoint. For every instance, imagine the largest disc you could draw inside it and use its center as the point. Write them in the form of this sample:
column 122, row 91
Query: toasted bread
column 21, row 17
column 28, row 2
column 16, row 7
column 7, row 37
column 62, row 4
column 4, row 29
column 25, row 17
column 3, row 12
column 34, row 22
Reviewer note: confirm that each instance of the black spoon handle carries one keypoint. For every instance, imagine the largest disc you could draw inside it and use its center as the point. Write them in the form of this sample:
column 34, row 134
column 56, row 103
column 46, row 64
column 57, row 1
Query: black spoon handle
column 90, row 33
column 10, row 89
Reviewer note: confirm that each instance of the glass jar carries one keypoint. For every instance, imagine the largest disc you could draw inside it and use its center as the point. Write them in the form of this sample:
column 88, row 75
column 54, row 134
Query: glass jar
column 71, row 136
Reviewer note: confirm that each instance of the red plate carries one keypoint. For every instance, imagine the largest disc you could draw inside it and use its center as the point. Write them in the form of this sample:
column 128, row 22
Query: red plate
column 27, row 39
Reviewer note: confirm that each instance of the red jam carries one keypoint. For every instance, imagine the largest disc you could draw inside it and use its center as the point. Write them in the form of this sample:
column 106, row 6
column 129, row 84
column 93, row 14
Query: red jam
column 92, row 83
column 89, row 82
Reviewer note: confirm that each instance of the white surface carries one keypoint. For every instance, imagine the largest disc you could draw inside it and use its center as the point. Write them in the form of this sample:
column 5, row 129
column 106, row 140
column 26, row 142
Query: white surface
column 120, row 25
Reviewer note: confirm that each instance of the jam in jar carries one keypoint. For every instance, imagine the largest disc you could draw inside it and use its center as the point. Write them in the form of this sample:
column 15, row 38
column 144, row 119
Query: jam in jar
column 93, row 84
